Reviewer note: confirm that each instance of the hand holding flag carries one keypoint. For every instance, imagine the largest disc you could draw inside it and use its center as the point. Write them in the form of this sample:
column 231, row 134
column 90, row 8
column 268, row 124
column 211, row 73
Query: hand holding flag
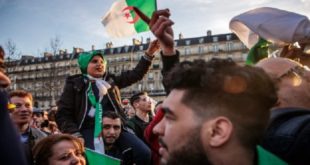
column 160, row 25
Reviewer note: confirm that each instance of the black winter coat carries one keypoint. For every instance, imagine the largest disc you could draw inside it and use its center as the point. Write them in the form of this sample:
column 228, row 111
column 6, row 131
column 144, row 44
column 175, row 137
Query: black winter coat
column 72, row 106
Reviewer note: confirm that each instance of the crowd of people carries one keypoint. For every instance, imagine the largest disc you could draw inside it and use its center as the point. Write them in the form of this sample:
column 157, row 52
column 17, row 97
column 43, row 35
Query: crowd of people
column 215, row 112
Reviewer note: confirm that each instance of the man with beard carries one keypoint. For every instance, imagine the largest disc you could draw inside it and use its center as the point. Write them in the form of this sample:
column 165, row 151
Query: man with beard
column 111, row 130
column 216, row 113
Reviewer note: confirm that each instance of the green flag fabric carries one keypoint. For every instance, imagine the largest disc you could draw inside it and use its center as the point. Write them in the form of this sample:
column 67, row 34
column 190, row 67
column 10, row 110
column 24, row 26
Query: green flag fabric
column 96, row 158
column 122, row 21
column 258, row 52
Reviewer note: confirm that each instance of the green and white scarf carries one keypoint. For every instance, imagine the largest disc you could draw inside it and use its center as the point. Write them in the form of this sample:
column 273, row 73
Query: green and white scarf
column 96, row 109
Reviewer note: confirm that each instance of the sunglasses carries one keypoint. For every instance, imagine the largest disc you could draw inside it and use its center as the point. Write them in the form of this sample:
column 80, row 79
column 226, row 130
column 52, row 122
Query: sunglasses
column 296, row 71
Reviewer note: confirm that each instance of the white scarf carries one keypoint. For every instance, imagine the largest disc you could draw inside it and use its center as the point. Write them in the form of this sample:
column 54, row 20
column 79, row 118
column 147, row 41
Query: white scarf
column 102, row 85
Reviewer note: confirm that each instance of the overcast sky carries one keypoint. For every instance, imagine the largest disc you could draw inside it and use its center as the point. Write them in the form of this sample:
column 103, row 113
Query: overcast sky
column 32, row 23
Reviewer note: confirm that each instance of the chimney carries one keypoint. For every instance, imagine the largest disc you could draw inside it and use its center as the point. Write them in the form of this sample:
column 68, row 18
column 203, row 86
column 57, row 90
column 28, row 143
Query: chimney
column 136, row 42
column 180, row 36
column 77, row 50
column 92, row 47
column 109, row 45
column 47, row 54
column 209, row 33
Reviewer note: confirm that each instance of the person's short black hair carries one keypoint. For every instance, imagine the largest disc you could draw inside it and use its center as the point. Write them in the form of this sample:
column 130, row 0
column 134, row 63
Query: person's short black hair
column 110, row 114
column 44, row 124
column 136, row 97
column 221, row 87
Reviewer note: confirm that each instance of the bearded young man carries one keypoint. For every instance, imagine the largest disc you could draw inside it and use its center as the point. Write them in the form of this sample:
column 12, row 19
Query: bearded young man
column 216, row 113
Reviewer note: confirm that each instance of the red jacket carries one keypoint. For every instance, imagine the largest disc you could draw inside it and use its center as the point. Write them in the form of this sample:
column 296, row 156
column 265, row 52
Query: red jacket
column 151, row 138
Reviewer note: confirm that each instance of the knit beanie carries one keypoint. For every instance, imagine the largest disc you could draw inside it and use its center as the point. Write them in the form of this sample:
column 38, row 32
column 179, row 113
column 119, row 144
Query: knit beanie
column 85, row 58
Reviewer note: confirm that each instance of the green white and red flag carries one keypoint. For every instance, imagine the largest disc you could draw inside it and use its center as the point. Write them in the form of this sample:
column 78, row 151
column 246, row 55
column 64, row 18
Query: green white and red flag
column 122, row 21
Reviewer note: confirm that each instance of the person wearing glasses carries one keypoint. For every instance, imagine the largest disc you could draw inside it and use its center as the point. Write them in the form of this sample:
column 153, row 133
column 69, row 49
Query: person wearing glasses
column 288, row 133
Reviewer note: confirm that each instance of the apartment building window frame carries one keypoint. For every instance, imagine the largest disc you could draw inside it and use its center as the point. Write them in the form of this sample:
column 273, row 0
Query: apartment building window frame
column 187, row 42
column 151, row 86
column 200, row 49
column 228, row 37
column 215, row 38
column 126, row 48
column 229, row 46
column 215, row 48
column 187, row 51
column 201, row 40
column 150, row 76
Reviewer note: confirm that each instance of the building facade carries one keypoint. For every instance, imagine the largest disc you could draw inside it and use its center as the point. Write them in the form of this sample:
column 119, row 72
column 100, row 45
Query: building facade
column 45, row 76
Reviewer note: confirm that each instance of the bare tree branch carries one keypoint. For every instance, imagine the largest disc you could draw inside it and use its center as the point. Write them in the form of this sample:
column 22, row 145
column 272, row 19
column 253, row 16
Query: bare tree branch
column 12, row 49
column 55, row 44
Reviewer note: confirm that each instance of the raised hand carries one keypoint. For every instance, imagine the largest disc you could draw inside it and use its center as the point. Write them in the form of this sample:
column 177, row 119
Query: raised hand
column 153, row 47
column 160, row 25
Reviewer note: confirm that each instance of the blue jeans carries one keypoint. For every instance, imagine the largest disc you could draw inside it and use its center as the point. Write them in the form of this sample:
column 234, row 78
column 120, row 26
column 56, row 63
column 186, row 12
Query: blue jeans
column 141, row 152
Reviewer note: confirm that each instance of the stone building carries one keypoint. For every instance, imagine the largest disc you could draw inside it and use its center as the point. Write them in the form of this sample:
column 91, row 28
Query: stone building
column 45, row 76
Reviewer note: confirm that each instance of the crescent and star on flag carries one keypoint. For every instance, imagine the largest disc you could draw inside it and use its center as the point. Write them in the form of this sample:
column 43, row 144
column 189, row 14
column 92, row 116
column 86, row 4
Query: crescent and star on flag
column 138, row 14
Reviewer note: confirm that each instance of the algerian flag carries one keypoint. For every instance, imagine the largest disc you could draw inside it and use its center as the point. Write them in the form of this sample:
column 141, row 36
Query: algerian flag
column 95, row 158
column 122, row 21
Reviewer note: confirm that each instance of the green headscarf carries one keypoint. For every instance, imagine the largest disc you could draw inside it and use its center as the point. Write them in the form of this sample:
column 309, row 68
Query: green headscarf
column 85, row 57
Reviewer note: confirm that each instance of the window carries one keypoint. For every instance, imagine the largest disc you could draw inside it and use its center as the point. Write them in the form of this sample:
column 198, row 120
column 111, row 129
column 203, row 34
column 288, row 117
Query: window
column 215, row 47
column 151, row 76
column 151, row 86
column 188, row 42
column 228, row 37
column 187, row 51
column 201, row 40
column 215, row 39
column 200, row 49
column 229, row 46
column 175, row 43
column 126, row 48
